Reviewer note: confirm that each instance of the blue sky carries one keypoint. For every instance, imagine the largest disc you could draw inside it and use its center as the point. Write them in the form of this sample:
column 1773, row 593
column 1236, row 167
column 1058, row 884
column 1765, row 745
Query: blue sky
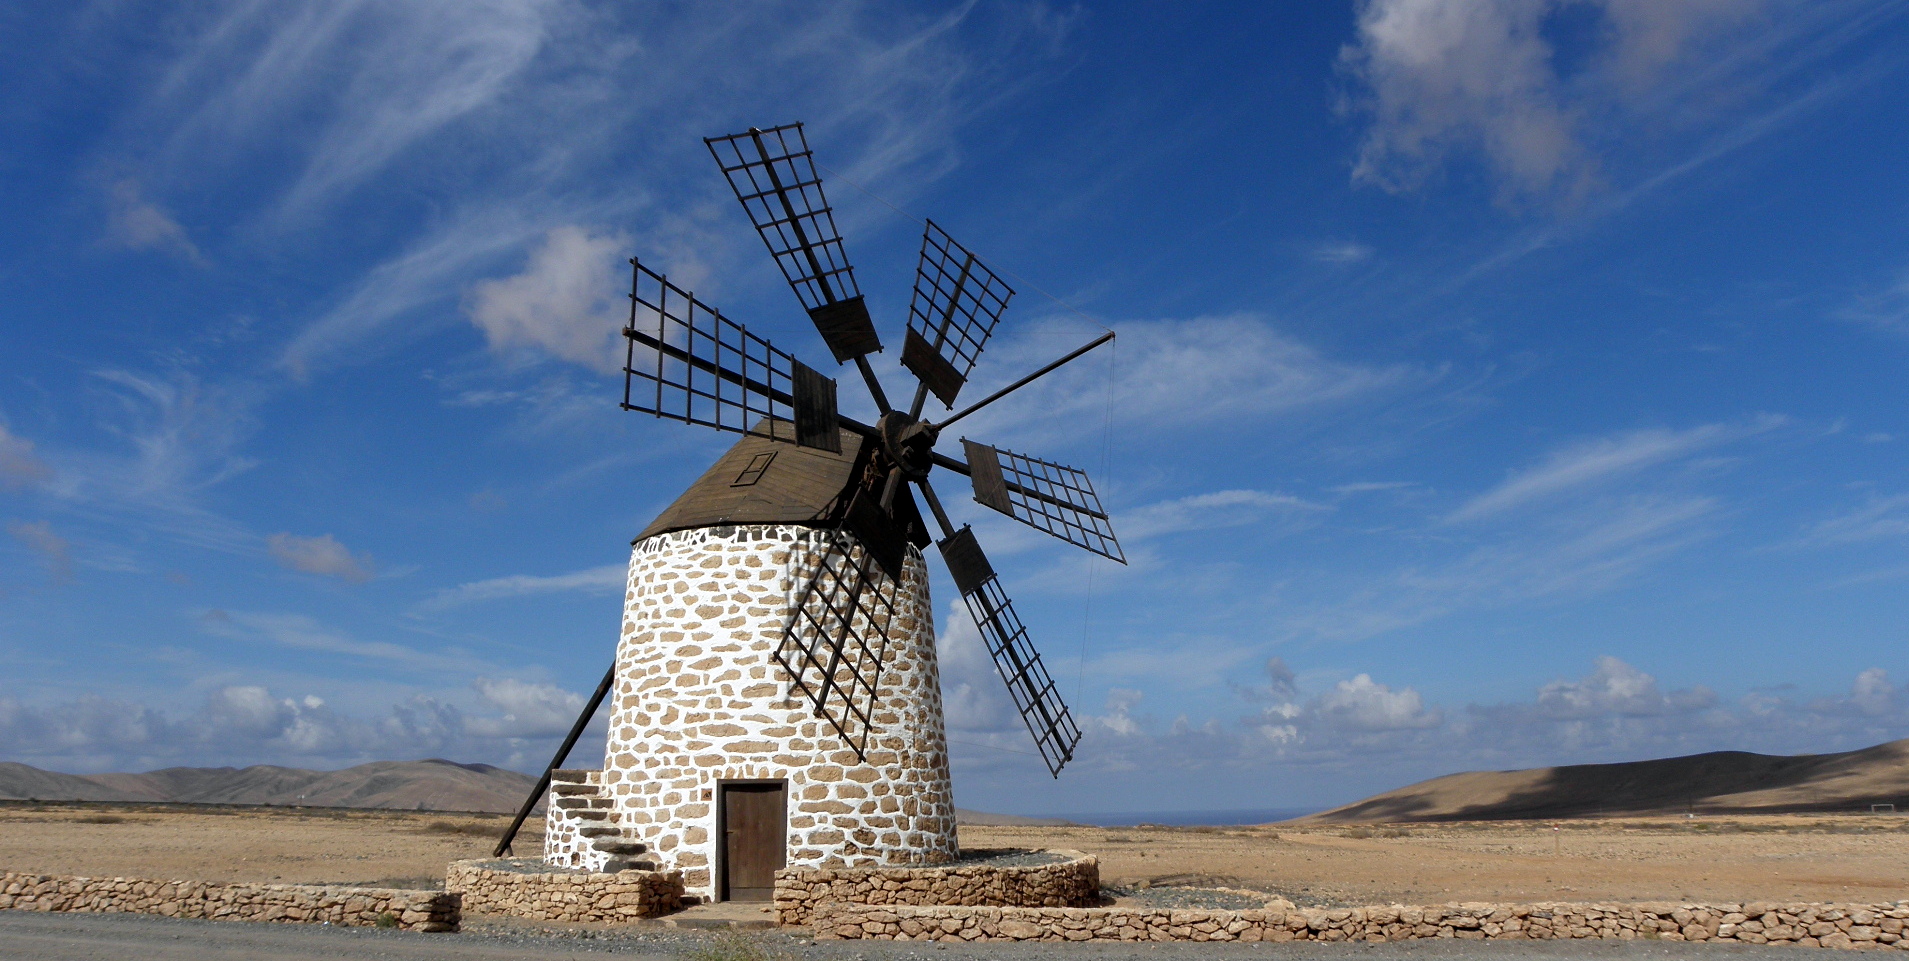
column 1498, row 383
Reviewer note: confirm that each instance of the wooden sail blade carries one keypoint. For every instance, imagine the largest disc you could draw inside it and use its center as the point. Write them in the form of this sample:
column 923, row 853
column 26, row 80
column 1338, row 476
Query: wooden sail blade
column 686, row 361
column 1035, row 695
column 773, row 175
column 956, row 305
column 1043, row 495
column 837, row 636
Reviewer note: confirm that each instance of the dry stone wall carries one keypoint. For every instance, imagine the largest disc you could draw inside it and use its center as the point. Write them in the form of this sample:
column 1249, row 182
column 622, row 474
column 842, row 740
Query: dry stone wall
column 1811, row 925
column 801, row 892
column 701, row 699
column 519, row 888
column 306, row 903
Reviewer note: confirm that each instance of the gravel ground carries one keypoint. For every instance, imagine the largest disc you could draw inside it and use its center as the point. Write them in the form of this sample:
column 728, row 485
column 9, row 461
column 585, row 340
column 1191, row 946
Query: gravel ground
column 27, row 936
column 1223, row 899
column 1007, row 858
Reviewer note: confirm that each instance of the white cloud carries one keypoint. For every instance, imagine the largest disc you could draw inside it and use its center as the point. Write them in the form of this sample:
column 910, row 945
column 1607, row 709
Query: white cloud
column 304, row 633
column 1592, row 462
column 321, row 555
column 19, row 466
column 136, row 223
column 1233, row 508
column 1443, row 76
column 1342, row 252
column 351, row 85
column 596, row 580
column 52, row 549
column 529, row 710
column 1617, row 688
column 569, row 301
column 1164, row 375
column 1880, row 519
column 511, row 722
column 1365, row 705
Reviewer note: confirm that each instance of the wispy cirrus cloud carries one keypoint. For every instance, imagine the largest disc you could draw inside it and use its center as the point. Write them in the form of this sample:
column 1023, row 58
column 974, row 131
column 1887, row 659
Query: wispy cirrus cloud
column 607, row 579
column 1586, row 464
column 53, row 550
column 1215, row 509
column 1169, row 374
column 19, row 466
column 1880, row 519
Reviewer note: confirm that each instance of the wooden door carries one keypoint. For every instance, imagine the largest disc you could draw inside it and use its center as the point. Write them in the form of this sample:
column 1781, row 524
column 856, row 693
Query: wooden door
column 755, row 830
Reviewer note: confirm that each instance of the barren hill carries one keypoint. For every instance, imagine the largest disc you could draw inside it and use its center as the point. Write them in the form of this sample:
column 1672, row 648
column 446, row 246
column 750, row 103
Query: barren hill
column 1721, row 782
column 432, row 785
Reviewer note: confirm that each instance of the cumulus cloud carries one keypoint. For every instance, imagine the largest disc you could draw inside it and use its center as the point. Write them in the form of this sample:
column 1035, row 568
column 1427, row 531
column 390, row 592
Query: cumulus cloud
column 1438, row 77
column 19, row 466
column 135, row 223
column 52, row 549
column 1365, row 705
column 1616, row 712
column 321, row 555
column 1616, row 688
column 568, row 302
column 508, row 721
column 596, row 580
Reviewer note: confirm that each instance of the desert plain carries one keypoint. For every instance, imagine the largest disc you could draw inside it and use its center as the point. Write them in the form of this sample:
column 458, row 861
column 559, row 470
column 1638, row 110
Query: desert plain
column 1789, row 857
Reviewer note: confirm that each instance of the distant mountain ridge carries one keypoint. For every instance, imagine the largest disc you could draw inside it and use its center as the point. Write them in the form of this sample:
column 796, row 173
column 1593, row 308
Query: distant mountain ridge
column 1720, row 782
column 428, row 785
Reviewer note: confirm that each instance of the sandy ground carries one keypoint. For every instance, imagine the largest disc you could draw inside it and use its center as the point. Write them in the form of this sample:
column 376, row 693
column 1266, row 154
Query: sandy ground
column 1784, row 858
column 388, row 848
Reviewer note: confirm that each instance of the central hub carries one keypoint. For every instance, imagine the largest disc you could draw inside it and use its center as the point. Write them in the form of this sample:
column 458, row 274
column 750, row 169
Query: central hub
column 909, row 443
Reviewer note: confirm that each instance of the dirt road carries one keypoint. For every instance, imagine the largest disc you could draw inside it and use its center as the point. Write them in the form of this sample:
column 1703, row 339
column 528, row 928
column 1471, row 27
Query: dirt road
column 119, row 937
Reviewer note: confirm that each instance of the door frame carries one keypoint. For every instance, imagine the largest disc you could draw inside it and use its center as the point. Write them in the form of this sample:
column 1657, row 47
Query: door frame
column 721, row 859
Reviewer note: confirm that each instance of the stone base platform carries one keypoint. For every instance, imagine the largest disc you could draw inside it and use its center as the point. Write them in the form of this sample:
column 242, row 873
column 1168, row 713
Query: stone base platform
column 529, row 888
column 1027, row 879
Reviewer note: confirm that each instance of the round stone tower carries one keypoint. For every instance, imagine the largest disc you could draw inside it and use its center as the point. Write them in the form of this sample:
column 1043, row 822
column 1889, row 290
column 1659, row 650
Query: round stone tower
column 717, row 763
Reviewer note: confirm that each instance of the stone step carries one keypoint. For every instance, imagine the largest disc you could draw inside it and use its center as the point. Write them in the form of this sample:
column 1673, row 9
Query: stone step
column 580, row 802
column 570, row 776
column 619, row 847
column 588, row 814
column 614, row 865
column 572, row 790
column 598, row 831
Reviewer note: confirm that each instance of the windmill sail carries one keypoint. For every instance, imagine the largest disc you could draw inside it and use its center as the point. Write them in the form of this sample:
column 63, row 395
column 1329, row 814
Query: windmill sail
column 956, row 305
column 1043, row 495
column 688, row 362
column 1028, row 682
column 773, row 174
column 838, row 634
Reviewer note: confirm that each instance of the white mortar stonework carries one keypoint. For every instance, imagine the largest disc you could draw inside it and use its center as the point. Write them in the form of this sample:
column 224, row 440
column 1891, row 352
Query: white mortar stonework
column 700, row 699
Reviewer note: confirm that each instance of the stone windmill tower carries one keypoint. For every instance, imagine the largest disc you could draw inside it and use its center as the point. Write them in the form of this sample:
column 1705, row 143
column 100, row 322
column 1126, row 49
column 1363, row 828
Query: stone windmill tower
column 775, row 698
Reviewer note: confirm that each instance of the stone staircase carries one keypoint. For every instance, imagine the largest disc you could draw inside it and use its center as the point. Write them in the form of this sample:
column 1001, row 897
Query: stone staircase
column 583, row 829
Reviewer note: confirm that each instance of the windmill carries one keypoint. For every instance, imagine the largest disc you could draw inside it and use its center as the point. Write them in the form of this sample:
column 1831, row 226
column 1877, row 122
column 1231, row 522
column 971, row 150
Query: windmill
column 806, row 526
